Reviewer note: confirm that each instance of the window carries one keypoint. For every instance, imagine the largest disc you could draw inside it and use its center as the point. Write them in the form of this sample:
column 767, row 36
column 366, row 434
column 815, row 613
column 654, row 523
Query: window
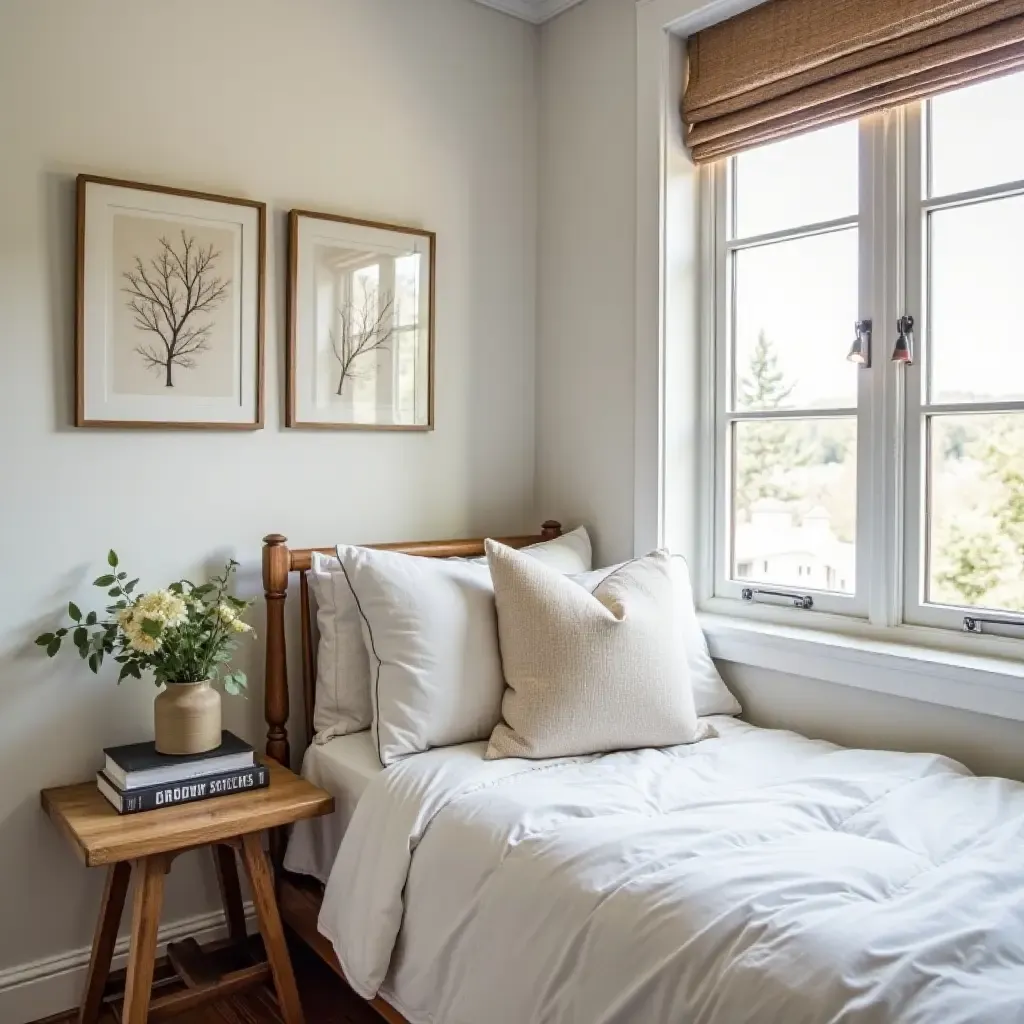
column 407, row 334
column 891, row 492
column 965, row 393
column 788, row 414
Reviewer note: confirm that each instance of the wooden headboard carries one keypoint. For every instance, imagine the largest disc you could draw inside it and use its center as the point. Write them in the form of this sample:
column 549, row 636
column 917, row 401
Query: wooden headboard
column 279, row 562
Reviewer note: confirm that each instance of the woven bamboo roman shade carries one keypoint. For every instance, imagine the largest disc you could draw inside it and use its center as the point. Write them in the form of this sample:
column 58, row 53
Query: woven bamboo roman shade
column 788, row 66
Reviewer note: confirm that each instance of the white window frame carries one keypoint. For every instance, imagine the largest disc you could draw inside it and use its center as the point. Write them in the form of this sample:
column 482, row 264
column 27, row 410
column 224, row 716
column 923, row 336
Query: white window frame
column 891, row 413
column 715, row 188
column 919, row 205
column 674, row 431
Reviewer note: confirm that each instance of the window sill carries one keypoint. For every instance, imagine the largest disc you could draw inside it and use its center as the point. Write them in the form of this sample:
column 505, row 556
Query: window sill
column 903, row 666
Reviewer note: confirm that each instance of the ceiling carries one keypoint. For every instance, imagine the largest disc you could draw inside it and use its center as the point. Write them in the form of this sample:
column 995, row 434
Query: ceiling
column 531, row 10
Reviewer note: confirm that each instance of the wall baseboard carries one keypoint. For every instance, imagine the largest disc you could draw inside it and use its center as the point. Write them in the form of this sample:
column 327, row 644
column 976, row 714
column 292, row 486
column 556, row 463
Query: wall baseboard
column 54, row 984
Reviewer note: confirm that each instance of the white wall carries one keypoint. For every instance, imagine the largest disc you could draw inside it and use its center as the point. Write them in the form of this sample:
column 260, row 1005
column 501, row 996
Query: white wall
column 585, row 393
column 420, row 111
column 586, row 270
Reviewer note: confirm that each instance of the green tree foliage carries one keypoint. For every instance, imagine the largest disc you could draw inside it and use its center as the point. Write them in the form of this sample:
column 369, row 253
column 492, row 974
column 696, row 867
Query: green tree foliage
column 982, row 562
column 974, row 559
column 770, row 448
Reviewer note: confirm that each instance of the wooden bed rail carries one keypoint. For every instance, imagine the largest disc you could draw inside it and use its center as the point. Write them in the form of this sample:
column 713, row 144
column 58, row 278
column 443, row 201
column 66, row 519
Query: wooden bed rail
column 279, row 562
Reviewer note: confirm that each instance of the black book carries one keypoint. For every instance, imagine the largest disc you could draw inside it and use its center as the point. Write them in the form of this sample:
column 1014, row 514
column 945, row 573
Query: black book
column 138, row 764
column 149, row 798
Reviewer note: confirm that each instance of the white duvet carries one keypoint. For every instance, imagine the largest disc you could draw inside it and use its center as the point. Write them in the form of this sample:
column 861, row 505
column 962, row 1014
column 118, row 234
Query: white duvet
column 758, row 877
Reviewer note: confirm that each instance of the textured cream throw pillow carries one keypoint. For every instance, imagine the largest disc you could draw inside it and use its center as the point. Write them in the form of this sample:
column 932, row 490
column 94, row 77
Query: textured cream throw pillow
column 589, row 671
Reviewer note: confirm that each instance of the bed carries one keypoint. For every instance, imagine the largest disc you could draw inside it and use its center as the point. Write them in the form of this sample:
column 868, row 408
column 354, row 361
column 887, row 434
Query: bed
column 754, row 876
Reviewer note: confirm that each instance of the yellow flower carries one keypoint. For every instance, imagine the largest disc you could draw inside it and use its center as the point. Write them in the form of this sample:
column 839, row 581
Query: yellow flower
column 241, row 627
column 166, row 608
column 226, row 614
column 144, row 643
column 124, row 618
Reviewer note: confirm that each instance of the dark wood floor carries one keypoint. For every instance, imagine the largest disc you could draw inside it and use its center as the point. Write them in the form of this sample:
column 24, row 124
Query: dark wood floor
column 325, row 1000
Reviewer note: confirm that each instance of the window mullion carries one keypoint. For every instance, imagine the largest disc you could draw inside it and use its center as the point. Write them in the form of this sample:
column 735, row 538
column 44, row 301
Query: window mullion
column 915, row 376
column 882, row 298
column 716, row 330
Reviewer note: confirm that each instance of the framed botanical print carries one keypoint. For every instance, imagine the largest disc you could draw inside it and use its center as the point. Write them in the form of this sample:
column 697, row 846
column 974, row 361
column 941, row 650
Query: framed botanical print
column 360, row 324
column 169, row 317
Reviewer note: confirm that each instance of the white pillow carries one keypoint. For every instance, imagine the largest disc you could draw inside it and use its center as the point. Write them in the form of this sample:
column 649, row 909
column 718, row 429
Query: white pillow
column 430, row 627
column 344, row 701
column 589, row 670
column 570, row 553
column 710, row 694
column 342, row 664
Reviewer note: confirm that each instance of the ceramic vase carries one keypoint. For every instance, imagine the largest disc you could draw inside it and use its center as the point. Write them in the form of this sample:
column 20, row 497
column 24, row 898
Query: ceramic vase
column 186, row 717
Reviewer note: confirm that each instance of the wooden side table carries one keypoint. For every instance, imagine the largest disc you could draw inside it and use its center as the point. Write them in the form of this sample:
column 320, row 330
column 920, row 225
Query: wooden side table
column 143, row 846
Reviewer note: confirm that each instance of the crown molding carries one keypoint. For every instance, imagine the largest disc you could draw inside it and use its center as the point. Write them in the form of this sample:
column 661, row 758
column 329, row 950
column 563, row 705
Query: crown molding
column 534, row 11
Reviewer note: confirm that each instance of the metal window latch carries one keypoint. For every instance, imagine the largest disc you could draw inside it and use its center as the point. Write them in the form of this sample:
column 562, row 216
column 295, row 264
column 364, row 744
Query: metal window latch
column 975, row 623
column 804, row 601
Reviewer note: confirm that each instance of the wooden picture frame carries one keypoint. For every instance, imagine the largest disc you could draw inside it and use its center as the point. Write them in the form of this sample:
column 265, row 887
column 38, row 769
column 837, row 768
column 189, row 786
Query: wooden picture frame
column 153, row 309
column 361, row 324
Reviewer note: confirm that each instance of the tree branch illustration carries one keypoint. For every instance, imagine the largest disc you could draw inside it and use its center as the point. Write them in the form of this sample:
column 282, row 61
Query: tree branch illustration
column 365, row 329
column 169, row 297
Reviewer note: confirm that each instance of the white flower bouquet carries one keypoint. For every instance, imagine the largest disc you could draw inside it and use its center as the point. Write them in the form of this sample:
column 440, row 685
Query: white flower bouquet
column 184, row 633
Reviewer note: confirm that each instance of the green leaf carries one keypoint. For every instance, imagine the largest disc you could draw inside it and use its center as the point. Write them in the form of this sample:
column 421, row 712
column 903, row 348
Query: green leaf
column 122, row 575
column 112, row 558
column 94, row 663
column 126, row 671
column 81, row 636
column 113, row 592
column 61, row 632
column 130, row 586
column 174, row 588
column 90, row 619
column 53, row 646
column 45, row 640
column 74, row 611
column 104, row 581
column 152, row 627
column 136, row 671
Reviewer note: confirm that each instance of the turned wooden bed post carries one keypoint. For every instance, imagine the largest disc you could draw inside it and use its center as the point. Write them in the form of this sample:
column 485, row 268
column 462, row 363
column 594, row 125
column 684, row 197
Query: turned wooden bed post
column 550, row 529
column 276, row 566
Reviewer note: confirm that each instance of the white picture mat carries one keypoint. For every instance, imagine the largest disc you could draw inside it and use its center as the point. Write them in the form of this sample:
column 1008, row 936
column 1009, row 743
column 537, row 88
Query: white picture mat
column 311, row 232
column 100, row 403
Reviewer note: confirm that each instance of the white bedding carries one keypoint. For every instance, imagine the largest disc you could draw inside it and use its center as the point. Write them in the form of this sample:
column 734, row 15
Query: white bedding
column 757, row 877
column 344, row 767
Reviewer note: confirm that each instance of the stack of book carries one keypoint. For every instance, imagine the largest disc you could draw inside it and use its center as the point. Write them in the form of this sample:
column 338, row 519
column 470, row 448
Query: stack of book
column 138, row 778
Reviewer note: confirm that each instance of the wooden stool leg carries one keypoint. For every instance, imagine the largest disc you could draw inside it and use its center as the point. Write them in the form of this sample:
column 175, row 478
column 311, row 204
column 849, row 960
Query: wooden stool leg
column 147, row 899
column 261, row 881
column 230, row 892
column 114, row 892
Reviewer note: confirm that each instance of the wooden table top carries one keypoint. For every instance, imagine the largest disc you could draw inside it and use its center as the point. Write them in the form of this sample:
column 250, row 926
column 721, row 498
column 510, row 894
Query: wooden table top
column 102, row 836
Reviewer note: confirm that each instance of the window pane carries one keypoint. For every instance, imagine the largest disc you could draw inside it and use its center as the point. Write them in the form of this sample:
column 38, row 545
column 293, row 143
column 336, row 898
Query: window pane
column 805, row 180
column 795, row 502
column 407, row 290
column 976, row 511
column 406, row 347
column 796, row 303
column 977, row 136
column 977, row 302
